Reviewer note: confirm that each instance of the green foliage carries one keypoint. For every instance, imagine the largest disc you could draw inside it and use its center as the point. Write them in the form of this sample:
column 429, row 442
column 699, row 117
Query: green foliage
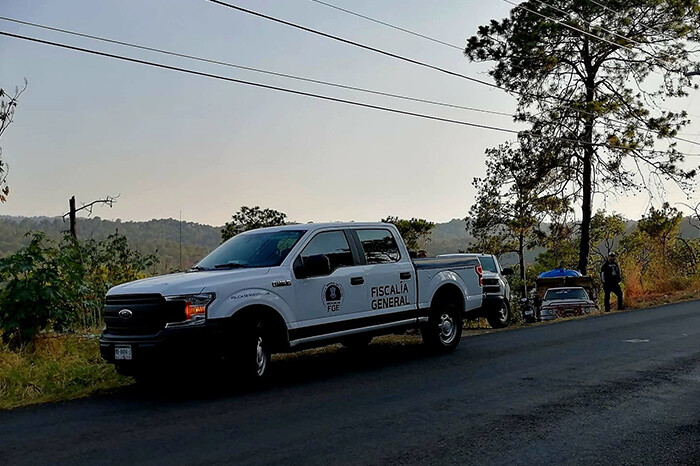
column 31, row 295
column 415, row 232
column 591, row 101
column 250, row 218
column 512, row 200
column 62, row 285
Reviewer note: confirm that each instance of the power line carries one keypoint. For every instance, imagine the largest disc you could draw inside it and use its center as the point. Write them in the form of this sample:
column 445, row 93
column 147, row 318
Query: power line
column 568, row 25
column 317, row 96
column 355, row 44
column 416, row 62
column 620, row 36
column 383, row 23
column 256, row 70
column 256, row 84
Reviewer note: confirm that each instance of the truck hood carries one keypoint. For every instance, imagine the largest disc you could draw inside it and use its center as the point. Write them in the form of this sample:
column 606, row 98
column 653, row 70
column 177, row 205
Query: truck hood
column 186, row 282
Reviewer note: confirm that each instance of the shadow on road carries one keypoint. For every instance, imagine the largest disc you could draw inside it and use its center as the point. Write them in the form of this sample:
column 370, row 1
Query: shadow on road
column 294, row 369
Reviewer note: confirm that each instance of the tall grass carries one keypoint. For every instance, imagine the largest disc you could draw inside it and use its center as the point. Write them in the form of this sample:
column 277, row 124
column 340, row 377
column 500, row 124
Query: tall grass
column 52, row 368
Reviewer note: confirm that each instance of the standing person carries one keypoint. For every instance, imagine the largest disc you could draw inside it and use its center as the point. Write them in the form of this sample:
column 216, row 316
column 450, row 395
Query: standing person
column 611, row 277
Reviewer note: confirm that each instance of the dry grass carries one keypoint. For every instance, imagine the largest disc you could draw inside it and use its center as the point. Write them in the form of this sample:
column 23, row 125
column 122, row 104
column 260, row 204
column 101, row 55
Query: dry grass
column 56, row 367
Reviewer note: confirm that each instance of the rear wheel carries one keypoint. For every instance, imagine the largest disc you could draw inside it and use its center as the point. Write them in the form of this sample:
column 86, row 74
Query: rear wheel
column 443, row 331
column 500, row 317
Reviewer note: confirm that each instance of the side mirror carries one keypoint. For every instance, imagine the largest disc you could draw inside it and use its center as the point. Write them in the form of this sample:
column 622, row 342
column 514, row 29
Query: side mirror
column 314, row 266
column 507, row 271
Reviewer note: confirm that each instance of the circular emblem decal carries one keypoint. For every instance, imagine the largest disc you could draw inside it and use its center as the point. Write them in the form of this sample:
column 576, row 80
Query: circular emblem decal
column 125, row 314
column 332, row 296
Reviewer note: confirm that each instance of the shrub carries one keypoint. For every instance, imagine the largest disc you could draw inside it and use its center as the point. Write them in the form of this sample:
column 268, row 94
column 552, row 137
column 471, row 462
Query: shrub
column 62, row 286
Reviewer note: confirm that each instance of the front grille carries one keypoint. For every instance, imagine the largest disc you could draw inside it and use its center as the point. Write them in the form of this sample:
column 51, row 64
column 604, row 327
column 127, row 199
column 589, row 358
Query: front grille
column 492, row 289
column 491, row 281
column 150, row 313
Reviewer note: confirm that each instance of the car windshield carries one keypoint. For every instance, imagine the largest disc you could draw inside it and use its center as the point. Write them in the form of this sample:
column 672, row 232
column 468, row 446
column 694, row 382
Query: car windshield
column 488, row 264
column 264, row 249
column 568, row 293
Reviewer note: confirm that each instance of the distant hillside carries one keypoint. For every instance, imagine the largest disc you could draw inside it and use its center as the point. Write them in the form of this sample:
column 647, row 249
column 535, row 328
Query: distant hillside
column 162, row 237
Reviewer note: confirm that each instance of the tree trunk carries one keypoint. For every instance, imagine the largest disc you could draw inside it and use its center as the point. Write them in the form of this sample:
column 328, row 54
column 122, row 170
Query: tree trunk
column 586, row 211
column 521, row 257
column 71, row 218
column 588, row 153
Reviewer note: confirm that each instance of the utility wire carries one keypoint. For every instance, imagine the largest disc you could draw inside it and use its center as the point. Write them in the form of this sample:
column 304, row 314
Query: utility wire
column 256, row 70
column 355, row 44
column 317, row 96
column 256, row 84
column 407, row 31
column 573, row 28
column 416, row 62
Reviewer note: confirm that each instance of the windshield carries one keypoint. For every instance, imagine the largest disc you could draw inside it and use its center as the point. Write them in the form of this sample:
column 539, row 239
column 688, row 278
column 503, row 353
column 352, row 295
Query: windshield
column 264, row 249
column 488, row 264
column 569, row 293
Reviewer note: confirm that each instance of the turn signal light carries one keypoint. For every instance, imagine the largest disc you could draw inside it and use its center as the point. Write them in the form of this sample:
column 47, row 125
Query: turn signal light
column 480, row 272
column 192, row 310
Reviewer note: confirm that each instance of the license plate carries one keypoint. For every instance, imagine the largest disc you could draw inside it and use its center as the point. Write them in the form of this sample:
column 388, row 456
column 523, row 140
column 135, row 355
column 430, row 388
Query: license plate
column 122, row 352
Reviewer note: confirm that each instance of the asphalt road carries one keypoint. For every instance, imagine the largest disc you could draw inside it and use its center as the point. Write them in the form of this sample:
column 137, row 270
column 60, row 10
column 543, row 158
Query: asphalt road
column 615, row 389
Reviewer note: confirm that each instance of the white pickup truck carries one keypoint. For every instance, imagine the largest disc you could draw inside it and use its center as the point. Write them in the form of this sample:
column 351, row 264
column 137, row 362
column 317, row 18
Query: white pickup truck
column 287, row 288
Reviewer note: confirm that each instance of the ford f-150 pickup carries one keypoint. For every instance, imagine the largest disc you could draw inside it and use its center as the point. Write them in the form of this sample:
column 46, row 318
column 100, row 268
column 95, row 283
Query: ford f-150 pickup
column 286, row 288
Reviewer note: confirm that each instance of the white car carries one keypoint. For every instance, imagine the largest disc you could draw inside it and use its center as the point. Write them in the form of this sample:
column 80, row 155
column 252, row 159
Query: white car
column 286, row 288
column 566, row 302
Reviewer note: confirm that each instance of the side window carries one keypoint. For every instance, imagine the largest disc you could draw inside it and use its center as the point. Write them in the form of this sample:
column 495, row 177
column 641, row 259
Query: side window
column 333, row 245
column 379, row 245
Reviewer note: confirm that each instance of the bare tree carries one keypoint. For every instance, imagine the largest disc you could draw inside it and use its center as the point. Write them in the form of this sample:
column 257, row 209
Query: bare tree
column 8, row 105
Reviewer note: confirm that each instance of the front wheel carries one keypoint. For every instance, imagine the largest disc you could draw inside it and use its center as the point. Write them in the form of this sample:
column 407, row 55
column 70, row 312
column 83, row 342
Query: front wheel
column 253, row 354
column 500, row 318
column 443, row 331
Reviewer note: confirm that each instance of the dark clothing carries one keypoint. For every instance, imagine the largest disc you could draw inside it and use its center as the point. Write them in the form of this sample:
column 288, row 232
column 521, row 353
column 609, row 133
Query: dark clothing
column 610, row 273
column 611, row 277
column 613, row 288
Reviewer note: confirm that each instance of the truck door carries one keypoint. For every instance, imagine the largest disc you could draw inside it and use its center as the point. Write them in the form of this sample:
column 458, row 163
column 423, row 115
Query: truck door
column 327, row 297
column 391, row 284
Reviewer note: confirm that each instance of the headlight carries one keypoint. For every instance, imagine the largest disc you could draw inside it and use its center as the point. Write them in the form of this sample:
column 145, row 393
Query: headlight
column 195, row 304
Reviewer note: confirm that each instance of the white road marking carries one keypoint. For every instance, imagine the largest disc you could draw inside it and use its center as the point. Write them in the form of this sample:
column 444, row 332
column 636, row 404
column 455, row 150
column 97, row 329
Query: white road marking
column 635, row 340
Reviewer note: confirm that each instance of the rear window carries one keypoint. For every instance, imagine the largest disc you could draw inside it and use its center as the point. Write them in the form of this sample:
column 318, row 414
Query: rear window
column 379, row 246
column 488, row 264
column 573, row 293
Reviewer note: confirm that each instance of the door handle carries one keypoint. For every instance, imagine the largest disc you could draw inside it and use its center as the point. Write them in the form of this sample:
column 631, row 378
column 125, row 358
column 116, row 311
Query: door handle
column 357, row 281
column 405, row 275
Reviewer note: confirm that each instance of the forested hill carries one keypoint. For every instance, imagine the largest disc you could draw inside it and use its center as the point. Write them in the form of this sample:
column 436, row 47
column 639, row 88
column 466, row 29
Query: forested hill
column 160, row 237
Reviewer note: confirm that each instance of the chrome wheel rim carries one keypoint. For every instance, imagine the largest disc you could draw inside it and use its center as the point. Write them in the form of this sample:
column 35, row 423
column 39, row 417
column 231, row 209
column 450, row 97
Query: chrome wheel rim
column 260, row 357
column 503, row 312
column 447, row 329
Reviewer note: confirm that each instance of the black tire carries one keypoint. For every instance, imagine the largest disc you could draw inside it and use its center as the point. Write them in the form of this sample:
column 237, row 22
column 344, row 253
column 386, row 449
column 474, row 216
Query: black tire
column 500, row 318
column 357, row 342
column 443, row 331
column 253, row 353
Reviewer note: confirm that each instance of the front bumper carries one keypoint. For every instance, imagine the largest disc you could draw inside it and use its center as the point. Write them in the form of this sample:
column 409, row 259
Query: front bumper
column 169, row 344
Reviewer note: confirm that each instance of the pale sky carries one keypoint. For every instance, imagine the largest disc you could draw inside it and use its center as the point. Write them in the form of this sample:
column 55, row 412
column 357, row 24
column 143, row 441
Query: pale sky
column 166, row 142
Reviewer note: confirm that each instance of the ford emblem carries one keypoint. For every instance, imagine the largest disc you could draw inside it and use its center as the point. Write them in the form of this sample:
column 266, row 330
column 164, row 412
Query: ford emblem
column 125, row 314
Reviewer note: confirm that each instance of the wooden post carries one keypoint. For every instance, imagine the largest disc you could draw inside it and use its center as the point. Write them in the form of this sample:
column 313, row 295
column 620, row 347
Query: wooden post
column 71, row 217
